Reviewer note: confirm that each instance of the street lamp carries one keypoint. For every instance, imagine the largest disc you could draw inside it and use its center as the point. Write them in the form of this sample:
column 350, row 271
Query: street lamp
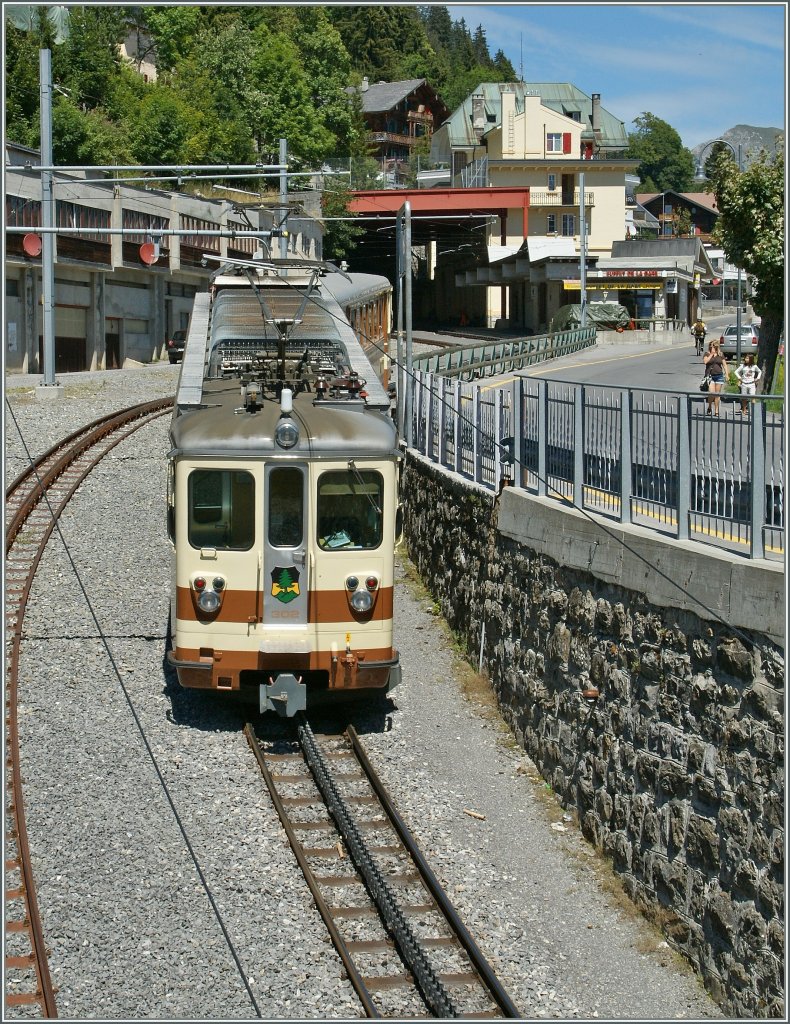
column 700, row 176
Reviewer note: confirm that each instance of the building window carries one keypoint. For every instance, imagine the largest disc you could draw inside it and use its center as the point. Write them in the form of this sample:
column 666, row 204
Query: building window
column 568, row 225
column 552, row 182
column 554, row 142
column 139, row 226
column 210, row 242
column 551, row 224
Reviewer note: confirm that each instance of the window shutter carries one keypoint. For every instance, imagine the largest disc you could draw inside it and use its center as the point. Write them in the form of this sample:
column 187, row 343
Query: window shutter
column 566, row 142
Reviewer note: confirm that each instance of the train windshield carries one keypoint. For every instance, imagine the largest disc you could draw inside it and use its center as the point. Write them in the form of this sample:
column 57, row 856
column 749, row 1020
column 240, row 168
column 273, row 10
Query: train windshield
column 349, row 508
column 221, row 509
column 286, row 504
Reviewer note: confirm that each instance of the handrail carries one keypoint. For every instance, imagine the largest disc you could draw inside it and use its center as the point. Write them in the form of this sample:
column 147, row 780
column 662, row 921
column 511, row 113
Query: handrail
column 634, row 455
column 485, row 359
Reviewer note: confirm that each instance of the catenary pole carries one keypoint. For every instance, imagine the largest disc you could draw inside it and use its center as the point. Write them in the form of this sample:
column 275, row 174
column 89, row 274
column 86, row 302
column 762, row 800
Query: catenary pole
column 47, row 218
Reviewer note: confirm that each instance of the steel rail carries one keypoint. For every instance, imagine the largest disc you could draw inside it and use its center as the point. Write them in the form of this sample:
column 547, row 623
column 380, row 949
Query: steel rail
column 51, row 465
column 33, row 467
column 430, row 984
column 15, row 821
column 337, row 939
column 481, row 965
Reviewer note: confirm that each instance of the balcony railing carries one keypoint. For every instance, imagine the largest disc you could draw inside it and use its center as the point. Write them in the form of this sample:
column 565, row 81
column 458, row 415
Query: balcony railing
column 401, row 140
column 557, row 199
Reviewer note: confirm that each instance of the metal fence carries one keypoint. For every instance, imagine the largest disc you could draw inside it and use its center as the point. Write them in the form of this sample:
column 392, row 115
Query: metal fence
column 487, row 359
column 633, row 455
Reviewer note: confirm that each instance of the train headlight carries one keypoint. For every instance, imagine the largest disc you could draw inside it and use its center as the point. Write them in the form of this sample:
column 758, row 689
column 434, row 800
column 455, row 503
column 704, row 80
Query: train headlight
column 286, row 433
column 361, row 601
column 352, row 583
column 208, row 602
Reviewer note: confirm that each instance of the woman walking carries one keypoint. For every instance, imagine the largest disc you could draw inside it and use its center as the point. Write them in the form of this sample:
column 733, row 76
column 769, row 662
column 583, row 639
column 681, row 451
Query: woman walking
column 716, row 368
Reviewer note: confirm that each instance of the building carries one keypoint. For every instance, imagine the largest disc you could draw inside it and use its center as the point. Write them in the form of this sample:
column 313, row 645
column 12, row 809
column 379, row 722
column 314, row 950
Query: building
column 566, row 148
column 698, row 211
column 399, row 116
column 123, row 283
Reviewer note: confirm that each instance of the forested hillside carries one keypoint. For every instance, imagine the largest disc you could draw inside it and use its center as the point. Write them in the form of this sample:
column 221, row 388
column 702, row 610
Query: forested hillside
column 231, row 81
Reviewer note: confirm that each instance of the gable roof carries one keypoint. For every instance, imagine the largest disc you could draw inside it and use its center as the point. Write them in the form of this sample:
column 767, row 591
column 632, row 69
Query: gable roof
column 379, row 97
column 458, row 133
column 707, row 200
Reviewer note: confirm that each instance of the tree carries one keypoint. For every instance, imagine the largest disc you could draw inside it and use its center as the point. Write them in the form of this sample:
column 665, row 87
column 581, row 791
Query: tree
column 341, row 235
column 664, row 163
column 682, row 224
column 750, row 229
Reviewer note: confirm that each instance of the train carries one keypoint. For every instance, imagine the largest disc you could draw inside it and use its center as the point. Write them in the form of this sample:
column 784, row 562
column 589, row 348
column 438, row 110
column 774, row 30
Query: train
column 282, row 493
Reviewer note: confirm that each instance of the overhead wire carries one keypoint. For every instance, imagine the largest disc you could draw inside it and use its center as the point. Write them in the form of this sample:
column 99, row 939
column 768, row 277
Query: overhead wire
column 610, row 533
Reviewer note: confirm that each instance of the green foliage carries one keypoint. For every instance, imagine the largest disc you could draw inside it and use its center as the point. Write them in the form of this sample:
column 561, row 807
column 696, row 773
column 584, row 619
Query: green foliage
column 750, row 229
column 172, row 31
column 87, row 137
column 340, row 235
column 22, row 86
column 664, row 163
column 240, row 77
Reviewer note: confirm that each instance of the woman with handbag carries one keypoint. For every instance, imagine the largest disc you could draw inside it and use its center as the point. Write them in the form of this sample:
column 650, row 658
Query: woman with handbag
column 716, row 368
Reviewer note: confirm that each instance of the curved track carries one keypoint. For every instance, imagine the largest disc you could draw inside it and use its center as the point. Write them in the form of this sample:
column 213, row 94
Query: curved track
column 402, row 944
column 34, row 502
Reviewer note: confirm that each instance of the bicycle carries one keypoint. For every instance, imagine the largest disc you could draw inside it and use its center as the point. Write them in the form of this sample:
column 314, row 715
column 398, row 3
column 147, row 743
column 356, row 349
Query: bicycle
column 700, row 342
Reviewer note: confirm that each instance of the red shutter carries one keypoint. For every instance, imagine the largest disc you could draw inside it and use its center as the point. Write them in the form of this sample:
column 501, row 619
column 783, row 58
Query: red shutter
column 566, row 142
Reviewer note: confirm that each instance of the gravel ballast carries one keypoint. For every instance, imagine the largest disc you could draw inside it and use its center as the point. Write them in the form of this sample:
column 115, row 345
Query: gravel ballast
column 131, row 929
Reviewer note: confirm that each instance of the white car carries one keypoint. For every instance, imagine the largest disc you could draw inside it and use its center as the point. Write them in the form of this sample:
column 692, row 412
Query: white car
column 750, row 338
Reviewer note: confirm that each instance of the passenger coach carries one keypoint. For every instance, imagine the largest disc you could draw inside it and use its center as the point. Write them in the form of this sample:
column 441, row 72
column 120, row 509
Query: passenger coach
column 282, row 496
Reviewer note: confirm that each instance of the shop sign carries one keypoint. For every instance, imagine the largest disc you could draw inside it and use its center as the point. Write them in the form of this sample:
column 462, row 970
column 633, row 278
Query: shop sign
column 615, row 285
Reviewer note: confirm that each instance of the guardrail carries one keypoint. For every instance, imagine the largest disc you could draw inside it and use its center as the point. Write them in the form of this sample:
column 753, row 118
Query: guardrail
column 487, row 359
column 636, row 456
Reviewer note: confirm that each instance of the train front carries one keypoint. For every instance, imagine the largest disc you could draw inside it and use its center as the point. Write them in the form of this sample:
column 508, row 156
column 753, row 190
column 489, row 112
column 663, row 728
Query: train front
column 282, row 505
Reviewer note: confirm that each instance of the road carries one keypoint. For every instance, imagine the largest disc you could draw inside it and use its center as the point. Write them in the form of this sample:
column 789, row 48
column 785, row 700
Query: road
column 675, row 368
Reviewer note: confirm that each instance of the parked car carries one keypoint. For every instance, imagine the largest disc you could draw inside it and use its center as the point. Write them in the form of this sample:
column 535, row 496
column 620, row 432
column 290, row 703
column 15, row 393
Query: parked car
column 175, row 346
column 750, row 338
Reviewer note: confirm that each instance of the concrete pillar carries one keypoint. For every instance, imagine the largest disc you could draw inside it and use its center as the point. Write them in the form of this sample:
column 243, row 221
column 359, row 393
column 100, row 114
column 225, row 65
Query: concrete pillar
column 29, row 303
column 96, row 321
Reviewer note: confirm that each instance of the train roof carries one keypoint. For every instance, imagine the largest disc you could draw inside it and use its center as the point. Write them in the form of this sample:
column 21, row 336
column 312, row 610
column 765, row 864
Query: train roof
column 263, row 328
column 250, row 309
column 223, row 426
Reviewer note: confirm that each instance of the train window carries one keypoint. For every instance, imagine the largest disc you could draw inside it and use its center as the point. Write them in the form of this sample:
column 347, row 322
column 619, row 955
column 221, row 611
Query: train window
column 349, row 510
column 286, row 507
column 221, row 509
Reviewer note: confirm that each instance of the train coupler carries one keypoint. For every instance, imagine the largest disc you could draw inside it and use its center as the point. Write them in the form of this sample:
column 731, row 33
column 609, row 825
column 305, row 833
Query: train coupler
column 284, row 694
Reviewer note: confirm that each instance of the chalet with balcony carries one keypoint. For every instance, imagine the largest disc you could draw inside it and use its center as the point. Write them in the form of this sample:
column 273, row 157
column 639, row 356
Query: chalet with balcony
column 399, row 116
column 668, row 208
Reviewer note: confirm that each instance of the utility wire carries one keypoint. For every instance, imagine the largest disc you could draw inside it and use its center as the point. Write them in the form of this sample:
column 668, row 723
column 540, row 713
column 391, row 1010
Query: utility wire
column 565, row 501
column 102, row 636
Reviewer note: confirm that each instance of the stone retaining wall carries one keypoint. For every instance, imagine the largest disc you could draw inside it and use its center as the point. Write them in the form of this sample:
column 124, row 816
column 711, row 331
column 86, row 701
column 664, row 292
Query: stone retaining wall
column 661, row 726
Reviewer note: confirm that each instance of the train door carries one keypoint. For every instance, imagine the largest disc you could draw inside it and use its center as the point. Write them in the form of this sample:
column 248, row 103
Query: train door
column 285, row 569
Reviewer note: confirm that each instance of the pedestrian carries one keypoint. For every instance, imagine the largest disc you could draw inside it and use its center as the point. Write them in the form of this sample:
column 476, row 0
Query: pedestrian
column 699, row 330
column 748, row 373
column 716, row 369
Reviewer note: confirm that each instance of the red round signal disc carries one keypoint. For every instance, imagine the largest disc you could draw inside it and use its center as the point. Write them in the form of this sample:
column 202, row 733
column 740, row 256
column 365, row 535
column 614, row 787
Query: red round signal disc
column 148, row 253
column 31, row 243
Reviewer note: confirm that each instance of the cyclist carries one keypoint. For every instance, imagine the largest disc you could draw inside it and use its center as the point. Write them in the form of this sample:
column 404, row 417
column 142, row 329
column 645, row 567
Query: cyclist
column 699, row 330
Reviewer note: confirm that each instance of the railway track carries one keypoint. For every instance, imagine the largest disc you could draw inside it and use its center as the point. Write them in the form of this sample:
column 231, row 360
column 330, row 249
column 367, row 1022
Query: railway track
column 403, row 946
column 34, row 503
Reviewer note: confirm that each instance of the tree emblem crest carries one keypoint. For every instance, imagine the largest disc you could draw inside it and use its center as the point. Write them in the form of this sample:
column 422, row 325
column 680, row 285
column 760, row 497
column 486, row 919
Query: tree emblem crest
column 285, row 583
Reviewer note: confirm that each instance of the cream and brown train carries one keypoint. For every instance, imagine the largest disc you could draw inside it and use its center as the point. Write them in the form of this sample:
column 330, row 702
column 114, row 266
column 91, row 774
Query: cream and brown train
column 282, row 495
